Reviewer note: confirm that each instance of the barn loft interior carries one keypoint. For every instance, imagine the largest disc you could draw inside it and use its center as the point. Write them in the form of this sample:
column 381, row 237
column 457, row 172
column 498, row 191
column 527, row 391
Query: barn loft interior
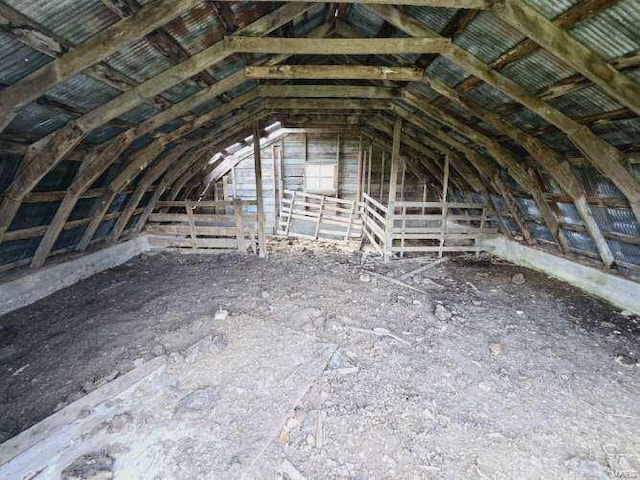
column 319, row 240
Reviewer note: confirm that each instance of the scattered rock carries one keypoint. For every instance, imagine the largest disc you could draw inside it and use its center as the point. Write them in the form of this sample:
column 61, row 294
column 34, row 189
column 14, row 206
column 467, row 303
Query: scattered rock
column 119, row 422
column 92, row 466
column 208, row 344
column 365, row 277
column 626, row 313
column 496, row 348
column 265, row 295
column 588, row 468
column 221, row 315
column 442, row 313
column 416, row 302
column 158, row 350
column 518, row 279
column 196, row 402
column 626, row 360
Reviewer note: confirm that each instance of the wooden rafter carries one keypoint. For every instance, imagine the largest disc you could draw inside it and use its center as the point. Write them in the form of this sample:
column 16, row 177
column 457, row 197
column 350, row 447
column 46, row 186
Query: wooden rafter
column 51, row 150
column 89, row 53
column 604, row 156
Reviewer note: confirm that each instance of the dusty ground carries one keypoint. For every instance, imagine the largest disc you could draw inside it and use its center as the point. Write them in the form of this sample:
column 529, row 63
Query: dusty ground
column 523, row 381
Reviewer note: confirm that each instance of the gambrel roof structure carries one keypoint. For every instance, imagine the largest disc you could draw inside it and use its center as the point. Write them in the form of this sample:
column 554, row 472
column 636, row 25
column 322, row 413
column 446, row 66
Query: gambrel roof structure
column 107, row 105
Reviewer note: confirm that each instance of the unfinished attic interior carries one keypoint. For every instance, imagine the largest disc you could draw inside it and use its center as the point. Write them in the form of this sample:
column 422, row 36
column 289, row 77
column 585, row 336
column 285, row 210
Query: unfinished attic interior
column 303, row 240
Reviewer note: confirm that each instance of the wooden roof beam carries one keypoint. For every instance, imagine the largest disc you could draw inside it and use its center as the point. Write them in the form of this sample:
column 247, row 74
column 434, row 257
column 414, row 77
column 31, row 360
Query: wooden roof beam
column 561, row 44
column 334, row 72
column 82, row 56
column 45, row 154
column 605, row 157
column 470, row 4
column 335, row 46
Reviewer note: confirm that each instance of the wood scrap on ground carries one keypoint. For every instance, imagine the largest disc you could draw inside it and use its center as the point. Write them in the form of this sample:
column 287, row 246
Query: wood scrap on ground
column 399, row 282
column 381, row 332
column 423, row 268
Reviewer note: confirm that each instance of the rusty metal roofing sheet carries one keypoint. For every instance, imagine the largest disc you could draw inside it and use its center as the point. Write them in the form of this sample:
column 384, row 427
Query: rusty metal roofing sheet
column 446, row 71
column 37, row 120
column 364, row 20
column 72, row 20
column 434, row 18
column 488, row 37
column 537, row 71
column 587, row 101
column 197, row 29
column 139, row 61
column 621, row 132
column 552, row 8
column 83, row 92
column 18, row 60
column 613, row 32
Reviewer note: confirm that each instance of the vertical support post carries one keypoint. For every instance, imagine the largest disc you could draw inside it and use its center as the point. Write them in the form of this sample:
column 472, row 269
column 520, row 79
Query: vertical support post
column 188, row 205
column 404, row 209
column 353, row 210
column 319, row 218
column 338, row 165
column 237, row 213
column 360, row 183
column 395, row 159
column 369, row 157
column 424, row 194
column 274, row 197
column 381, row 193
column 445, row 206
column 260, row 201
column 293, row 201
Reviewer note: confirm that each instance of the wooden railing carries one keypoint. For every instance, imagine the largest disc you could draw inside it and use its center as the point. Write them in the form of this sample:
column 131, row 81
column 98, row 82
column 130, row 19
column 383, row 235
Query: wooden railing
column 206, row 225
column 313, row 217
column 426, row 227
column 374, row 219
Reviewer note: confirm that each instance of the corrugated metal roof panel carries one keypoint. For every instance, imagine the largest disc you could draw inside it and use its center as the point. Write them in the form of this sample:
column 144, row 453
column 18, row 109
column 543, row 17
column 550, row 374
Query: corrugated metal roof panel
column 595, row 184
column 37, row 120
column 364, row 20
column 83, row 92
column 584, row 102
column 17, row 59
column 446, row 71
column 621, row 132
column 197, row 29
column 179, row 92
column 613, row 32
column 72, row 20
column 537, row 71
column 140, row 113
column 488, row 37
column 139, row 61
column 552, row 8
column 434, row 18
column 487, row 96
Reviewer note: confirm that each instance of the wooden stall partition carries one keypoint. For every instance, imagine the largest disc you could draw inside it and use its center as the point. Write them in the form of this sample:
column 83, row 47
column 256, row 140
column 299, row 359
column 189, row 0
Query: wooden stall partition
column 318, row 217
column 198, row 226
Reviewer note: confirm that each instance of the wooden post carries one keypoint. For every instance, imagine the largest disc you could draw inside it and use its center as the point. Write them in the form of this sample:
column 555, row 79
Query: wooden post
column 319, row 218
column 369, row 156
column 395, row 158
column 404, row 209
column 275, row 192
column 445, row 191
column 259, row 200
column 338, row 165
column 293, row 201
column 360, row 184
column 237, row 213
column 188, row 205
column 382, row 177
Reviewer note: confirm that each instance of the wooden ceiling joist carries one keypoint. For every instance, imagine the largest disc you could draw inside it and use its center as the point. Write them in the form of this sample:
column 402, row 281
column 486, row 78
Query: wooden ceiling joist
column 89, row 53
column 334, row 72
column 604, row 156
column 51, row 150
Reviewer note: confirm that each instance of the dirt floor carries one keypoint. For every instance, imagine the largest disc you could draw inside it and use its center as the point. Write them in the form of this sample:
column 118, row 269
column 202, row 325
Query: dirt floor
column 323, row 369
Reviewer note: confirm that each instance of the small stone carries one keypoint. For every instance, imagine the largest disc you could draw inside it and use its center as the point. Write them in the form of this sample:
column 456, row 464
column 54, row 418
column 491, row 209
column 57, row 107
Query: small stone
column 221, row 315
column 364, row 277
column 198, row 401
column 119, row 422
column 265, row 295
column 496, row 348
column 442, row 313
column 626, row 313
column 518, row 279
column 158, row 350
column 92, row 466
column 625, row 360
column 417, row 302
column 520, row 312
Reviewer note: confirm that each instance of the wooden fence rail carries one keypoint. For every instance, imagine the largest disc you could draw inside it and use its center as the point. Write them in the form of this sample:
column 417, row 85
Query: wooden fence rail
column 205, row 226
column 313, row 217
